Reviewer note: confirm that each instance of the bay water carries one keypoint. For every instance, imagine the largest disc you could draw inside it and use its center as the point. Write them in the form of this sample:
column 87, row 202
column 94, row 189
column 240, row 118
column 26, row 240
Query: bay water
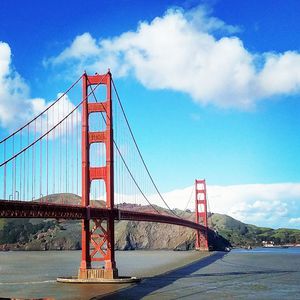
column 261, row 273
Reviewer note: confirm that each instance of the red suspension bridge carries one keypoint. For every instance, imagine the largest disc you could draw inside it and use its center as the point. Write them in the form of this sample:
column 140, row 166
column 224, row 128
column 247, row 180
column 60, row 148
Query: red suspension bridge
column 71, row 150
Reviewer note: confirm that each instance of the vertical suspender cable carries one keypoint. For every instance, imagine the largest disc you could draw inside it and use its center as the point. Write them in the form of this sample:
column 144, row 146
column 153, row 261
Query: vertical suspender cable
column 28, row 164
column 4, row 177
column 21, row 165
column 13, row 169
column 24, row 181
column 34, row 162
column 47, row 157
column 77, row 146
column 72, row 153
column 53, row 155
column 41, row 157
column 66, row 153
column 59, row 134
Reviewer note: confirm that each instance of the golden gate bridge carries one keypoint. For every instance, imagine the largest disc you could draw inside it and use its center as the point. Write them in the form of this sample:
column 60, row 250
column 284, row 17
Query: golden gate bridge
column 72, row 149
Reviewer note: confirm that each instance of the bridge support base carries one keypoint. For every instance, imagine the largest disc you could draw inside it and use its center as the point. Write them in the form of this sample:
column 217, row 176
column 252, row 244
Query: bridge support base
column 118, row 280
column 97, row 273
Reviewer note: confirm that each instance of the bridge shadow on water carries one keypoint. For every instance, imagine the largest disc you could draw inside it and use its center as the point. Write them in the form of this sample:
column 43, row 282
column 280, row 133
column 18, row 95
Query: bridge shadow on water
column 151, row 284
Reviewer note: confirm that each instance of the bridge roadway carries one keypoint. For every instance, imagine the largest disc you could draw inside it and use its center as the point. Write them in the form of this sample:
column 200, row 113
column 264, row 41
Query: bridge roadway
column 28, row 209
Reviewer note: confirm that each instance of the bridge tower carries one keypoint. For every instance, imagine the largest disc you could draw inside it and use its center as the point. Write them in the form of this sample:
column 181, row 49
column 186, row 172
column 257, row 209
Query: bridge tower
column 201, row 215
column 97, row 235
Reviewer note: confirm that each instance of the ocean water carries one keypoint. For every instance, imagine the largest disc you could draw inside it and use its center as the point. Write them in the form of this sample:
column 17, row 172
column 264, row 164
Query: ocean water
column 261, row 273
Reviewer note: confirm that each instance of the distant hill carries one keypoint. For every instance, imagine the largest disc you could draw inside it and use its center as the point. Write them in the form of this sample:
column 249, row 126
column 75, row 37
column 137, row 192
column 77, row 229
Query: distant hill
column 241, row 234
column 37, row 234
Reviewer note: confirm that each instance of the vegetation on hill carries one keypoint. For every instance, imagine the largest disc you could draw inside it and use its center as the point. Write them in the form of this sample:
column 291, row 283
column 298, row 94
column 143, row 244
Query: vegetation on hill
column 21, row 231
column 240, row 234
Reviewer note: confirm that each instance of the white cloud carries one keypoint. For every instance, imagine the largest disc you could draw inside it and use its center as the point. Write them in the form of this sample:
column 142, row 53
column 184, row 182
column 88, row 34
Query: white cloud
column 57, row 113
column 281, row 73
column 191, row 52
column 273, row 205
column 16, row 106
column 82, row 47
column 201, row 18
column 268, row 205
column 295, row 221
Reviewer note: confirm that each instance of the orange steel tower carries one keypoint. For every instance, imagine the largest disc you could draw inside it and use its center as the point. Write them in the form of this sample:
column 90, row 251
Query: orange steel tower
column 201, row 215
column 97, row 240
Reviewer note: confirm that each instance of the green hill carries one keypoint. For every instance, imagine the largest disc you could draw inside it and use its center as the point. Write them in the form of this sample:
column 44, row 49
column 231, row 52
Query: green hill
column 241, row 234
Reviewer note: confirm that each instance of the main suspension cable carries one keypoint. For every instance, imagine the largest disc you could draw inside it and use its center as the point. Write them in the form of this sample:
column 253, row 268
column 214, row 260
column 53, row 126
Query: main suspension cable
column 47, row 132
column 139, row 152
column 191, row 194
column 28, row 123
column 123, row 159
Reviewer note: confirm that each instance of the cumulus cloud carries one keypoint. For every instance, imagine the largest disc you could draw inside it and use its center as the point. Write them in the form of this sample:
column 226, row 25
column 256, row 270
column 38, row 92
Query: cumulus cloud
column 281, row 73
column 270, row 205
column 191, row 52
column 16, row 105
column 82, row 47
column 267, row 205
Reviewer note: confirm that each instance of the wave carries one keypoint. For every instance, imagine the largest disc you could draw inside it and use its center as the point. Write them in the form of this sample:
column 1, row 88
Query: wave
column 27, row 282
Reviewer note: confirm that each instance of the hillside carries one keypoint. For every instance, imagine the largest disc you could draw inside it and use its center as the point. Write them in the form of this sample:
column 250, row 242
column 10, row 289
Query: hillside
column 241, row 234
column 33, row 234
column 37, row 234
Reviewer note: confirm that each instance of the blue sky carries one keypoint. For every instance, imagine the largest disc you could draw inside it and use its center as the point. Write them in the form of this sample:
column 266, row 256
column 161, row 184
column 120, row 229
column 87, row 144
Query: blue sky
column 211, row 88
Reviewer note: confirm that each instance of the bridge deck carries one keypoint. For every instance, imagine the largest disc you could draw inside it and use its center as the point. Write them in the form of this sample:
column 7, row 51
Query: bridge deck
column 22, row 209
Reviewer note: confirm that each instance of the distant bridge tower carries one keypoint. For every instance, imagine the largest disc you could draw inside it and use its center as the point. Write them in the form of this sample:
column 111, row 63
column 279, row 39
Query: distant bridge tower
column 98, row 241
column 201, row 215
